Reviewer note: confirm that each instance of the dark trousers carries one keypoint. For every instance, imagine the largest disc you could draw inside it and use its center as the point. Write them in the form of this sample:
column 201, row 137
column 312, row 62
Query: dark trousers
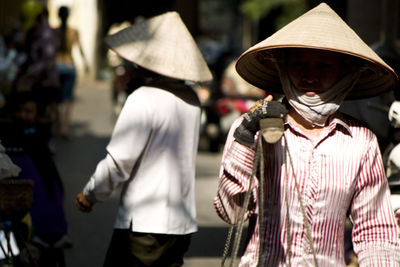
column 133, row 249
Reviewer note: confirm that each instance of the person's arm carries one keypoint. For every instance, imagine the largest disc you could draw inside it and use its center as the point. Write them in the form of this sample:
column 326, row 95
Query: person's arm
column 238, row 160
column 129, row 139
column 235, row 174
column 375, row 236
column 79, row 44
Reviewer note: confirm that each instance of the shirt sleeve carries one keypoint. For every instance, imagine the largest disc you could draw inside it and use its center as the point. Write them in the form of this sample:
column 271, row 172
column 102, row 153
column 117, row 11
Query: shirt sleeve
column 234, row 179
column 130, row 137
column 375, row 236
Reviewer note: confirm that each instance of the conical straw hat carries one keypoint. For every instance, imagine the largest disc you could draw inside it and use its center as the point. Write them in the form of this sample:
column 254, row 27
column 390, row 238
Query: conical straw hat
column 163, row 45
column 319, row 28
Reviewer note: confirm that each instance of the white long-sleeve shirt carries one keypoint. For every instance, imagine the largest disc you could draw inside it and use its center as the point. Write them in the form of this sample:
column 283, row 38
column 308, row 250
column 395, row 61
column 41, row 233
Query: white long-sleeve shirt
column 152, row 152
column 339, row 173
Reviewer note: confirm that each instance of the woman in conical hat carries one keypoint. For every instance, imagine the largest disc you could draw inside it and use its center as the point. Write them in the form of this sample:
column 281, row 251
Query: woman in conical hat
column 326, row 166
column 153, row 148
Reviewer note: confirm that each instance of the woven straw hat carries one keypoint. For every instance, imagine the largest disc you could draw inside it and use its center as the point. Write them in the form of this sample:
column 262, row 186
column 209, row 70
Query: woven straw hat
column 319, row 28
column 163, row 45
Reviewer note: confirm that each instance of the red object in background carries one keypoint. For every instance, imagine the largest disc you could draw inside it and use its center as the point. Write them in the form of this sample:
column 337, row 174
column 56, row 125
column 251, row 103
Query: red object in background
column 228, row 104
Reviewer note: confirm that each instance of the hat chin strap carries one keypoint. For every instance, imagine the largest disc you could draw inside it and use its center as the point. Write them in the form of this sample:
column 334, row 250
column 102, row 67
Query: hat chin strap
column 317, row 109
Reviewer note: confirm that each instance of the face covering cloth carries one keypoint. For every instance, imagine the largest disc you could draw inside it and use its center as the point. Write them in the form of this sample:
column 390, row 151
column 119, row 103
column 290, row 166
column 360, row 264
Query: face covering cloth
column 316, row 109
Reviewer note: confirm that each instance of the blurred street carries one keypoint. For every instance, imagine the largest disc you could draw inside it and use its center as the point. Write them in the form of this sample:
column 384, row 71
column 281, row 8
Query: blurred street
column 46, row 44
column 92, row 124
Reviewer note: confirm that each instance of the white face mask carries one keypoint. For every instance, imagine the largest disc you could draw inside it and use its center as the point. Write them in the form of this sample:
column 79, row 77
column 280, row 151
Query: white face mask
column 316, row 109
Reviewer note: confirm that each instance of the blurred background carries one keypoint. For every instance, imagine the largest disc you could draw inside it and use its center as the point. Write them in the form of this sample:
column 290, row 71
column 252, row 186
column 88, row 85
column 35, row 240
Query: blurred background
column 32, row 48
column 233, row 24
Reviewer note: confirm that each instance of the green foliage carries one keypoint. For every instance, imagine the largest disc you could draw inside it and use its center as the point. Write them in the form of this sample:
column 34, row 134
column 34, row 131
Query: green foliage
column 290, row 12
column 257, row 9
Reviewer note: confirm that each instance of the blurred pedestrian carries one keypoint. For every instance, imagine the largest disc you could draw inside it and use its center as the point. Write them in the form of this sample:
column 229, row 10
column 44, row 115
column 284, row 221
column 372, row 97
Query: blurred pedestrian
column 27, row 141
column 67, row 38
column 153, row 147
column 326, row 166
column 8, row 68
column 38, row 73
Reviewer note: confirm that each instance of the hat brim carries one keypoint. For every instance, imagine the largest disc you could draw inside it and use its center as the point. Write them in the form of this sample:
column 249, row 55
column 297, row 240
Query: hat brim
column 320, row 28
column 262, row 72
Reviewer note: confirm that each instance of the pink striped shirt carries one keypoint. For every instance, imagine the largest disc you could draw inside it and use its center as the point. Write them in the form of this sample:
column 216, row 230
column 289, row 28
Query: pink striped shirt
column 339, row 173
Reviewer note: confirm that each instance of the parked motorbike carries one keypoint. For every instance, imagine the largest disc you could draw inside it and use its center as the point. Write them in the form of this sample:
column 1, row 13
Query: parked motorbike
column 219, row 114
column 235, row 97
column 392, row 162
column 394, row 184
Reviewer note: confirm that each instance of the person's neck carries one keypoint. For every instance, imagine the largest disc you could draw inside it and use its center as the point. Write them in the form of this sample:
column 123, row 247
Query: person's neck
column 310, row 130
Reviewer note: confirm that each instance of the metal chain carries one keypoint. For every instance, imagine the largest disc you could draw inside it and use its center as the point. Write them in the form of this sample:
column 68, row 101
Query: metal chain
column 239, row 227
column 227, row 245
column 259, row 160
column 246, row 204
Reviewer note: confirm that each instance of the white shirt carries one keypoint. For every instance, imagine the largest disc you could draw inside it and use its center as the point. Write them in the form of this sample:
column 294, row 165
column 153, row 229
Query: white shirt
column 152, row 152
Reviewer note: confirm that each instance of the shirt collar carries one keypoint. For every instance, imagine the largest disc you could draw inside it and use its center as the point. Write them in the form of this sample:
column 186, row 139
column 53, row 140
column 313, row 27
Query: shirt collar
column 337, row 121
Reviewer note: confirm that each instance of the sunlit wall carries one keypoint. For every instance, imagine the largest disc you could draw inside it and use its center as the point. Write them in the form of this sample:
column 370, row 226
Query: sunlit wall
column 84, row 18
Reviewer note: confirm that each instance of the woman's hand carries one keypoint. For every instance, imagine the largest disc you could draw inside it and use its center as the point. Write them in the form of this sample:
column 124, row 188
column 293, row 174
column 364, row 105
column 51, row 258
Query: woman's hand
column 265, row 108
column 82, row 203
